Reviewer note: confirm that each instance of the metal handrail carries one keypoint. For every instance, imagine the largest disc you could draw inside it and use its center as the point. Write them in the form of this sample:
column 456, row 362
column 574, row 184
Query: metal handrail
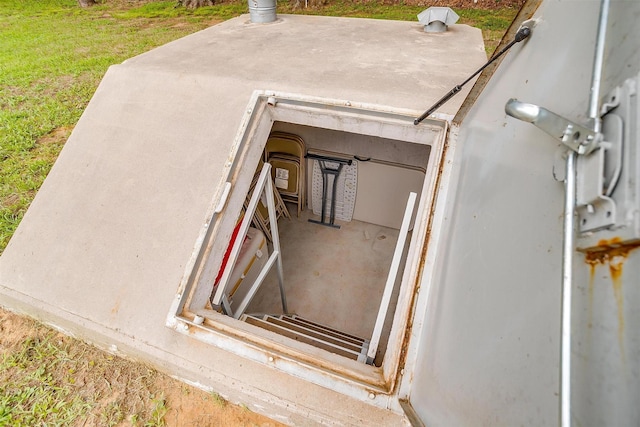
column 391, row 279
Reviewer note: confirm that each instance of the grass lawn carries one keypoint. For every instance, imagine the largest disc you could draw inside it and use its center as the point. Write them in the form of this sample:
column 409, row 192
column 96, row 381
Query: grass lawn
column 52, row 57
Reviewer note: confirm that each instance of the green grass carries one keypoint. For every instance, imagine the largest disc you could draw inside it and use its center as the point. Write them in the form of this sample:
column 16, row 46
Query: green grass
column 53, row 55
column 493, row 24
column 31, row 394
column 157, row 413
column 169, row 9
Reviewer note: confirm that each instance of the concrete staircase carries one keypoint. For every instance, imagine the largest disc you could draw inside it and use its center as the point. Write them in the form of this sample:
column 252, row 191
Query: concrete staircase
column 315, row 334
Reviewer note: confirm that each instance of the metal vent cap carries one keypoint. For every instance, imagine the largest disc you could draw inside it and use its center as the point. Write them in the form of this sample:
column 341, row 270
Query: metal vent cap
column 437, row 19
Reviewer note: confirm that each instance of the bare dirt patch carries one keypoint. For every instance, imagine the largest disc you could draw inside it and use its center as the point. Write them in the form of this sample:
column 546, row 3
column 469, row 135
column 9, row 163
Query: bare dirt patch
column 10, row 200
column 57, row 136
column 190, row 407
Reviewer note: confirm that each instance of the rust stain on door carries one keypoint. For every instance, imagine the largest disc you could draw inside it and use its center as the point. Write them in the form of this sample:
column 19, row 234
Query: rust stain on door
column 613, row 253
column 615, row 268
column 592, row 278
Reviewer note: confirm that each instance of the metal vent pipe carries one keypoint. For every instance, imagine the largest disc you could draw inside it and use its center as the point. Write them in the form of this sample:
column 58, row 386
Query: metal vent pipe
column 262, row 11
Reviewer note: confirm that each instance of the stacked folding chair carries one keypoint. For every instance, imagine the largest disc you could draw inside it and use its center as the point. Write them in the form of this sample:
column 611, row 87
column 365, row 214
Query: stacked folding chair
column 260, row 219
column 285, row 152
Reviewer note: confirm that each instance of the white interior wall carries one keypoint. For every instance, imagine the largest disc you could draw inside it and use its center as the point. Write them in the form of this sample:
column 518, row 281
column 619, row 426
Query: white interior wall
column 395, row 169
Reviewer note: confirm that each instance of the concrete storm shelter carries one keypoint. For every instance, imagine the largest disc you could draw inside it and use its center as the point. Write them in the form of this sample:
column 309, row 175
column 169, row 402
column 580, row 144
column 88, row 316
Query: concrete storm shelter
column 438, row 299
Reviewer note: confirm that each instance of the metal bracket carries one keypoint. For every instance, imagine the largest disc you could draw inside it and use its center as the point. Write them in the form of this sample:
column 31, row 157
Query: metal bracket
column 595, row 209
column 598, row 175
column 614, row 202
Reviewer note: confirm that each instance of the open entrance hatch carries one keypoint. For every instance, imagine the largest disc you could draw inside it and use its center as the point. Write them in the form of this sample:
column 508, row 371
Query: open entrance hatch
column 310, row 254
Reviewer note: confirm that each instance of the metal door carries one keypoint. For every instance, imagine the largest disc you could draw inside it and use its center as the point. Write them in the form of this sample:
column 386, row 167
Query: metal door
column 486, row 343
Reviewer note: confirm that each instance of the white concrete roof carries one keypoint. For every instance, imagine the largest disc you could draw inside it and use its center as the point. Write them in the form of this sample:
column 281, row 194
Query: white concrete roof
column 104, row 244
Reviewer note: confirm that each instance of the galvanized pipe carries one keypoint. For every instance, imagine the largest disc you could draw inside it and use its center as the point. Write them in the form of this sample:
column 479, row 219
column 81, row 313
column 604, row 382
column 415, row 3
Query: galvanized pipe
column 598, row 64
column 569, row 221
column 567, row 279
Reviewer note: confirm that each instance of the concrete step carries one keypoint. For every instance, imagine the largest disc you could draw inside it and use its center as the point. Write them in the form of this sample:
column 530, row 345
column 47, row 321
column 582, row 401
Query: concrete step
column 312, row 333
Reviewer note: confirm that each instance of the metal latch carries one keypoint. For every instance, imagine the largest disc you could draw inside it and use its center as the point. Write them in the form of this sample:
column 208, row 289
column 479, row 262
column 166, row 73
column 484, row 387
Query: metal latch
column 576, row 137
column 601, row 191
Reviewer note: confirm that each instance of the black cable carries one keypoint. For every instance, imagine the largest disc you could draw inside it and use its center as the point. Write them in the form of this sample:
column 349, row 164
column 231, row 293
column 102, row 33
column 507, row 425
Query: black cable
column 520, row 35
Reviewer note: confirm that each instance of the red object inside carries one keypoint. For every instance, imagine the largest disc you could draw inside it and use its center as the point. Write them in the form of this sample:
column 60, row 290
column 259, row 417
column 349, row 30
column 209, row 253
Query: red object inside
column 234, row 235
